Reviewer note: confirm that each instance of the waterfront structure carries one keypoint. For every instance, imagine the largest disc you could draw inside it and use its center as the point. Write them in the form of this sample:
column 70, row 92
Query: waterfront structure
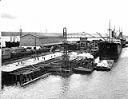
column 44, row 38
column 29, row 40
column 36, row 40
column 6, row 53
column 83, row 42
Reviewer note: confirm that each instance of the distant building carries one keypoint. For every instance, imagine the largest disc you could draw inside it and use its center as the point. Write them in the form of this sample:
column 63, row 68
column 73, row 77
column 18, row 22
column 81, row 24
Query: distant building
column 29, row 40
column 9, row 37
column 36, row 40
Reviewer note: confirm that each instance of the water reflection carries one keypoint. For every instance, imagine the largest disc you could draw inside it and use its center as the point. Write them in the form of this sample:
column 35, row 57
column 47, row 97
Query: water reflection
column 98, row 85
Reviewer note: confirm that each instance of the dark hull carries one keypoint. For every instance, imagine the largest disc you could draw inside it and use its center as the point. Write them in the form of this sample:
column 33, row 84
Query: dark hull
column 24, row 76
column 109, row 51
column 82, row 70
column 11, row 79
column 99, row 68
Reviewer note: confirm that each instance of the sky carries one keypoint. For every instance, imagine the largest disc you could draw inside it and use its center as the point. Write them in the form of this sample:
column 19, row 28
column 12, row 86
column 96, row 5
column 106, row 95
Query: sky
column 49, row 16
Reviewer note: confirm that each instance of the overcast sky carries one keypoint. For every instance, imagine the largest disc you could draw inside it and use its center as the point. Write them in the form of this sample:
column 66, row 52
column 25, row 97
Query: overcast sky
column 52, row 15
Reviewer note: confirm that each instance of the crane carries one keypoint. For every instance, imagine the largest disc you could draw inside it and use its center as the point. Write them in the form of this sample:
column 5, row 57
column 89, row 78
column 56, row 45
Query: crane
column 101, row 36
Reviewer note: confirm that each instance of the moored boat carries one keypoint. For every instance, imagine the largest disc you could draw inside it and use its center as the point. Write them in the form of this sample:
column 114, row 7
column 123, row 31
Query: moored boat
column 111, row 48
column 84, row 65
column 23, row 76
column 104, row 65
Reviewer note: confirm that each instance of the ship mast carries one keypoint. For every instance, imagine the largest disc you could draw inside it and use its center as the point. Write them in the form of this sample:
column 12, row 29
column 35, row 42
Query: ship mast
column 120, row 34
column 109, row 31
column 113, row 34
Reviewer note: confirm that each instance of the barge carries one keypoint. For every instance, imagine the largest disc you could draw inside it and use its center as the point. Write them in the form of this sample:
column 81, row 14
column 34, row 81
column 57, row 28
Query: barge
column 104, row 65
column 24, row 76
column 84, row 64
column 27, row 71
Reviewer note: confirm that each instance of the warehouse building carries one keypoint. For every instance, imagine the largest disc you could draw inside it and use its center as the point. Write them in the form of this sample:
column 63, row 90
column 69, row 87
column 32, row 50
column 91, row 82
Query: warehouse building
column 40, row 40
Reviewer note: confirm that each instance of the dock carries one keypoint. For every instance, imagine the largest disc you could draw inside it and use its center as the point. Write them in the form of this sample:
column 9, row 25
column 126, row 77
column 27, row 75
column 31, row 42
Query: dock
column 32, row 61
column 24, row 72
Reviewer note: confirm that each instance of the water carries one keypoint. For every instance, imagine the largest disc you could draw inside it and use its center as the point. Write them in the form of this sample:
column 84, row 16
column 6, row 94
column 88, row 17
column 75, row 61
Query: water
column 98, row 85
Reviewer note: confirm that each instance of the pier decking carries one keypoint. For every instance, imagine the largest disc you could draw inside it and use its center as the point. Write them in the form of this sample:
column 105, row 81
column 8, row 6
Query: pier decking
column 33, row 61
column 27, row 71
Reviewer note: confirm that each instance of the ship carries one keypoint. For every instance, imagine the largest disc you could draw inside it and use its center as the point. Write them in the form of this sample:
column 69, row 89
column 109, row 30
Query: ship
column 110, row 49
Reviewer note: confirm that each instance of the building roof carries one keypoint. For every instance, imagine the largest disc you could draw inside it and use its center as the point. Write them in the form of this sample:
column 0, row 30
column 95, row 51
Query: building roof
column 52, row 44
column 29, row 34
column 44, row 35
column 10, row 33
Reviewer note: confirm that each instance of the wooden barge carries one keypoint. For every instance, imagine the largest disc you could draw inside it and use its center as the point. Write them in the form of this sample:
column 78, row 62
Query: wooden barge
column 27, row 74
column 84, row 66
column 24, row 76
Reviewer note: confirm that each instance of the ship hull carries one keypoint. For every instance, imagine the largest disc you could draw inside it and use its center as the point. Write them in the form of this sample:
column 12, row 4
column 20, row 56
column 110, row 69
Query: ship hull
column 100, row 68
column 109, row 51
column 82, row 70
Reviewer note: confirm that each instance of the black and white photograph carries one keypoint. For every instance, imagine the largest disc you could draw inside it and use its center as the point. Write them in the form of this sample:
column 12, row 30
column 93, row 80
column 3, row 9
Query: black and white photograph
column 63, row 49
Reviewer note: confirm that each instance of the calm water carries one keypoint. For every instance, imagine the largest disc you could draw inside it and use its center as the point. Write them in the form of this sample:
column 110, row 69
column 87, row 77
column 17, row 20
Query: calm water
column 98, row 85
